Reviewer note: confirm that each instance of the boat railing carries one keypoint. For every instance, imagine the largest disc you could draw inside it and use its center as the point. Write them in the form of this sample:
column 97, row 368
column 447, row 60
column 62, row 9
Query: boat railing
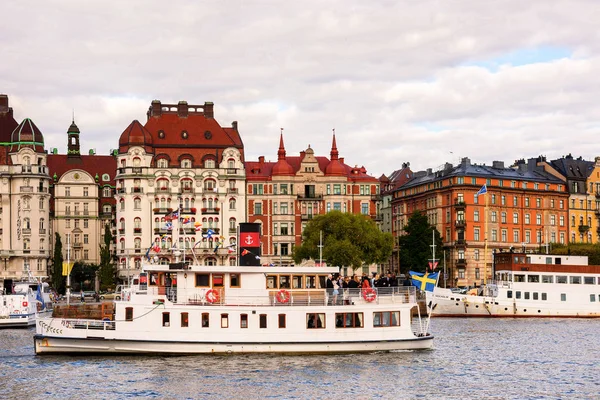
column 92, row 324
column 287, row 297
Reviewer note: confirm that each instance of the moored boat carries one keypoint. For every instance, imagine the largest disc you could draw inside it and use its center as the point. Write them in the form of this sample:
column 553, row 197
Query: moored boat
column 528, row 285
column 22, row 302
column 191, row 309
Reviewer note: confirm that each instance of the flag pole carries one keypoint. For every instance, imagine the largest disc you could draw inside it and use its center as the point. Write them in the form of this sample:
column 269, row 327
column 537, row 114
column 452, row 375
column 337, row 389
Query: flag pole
column 485, row 240
column 430, row 306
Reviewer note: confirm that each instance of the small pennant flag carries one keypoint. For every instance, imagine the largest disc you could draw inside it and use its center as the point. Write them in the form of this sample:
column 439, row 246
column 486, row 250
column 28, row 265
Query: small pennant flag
column 244, row 252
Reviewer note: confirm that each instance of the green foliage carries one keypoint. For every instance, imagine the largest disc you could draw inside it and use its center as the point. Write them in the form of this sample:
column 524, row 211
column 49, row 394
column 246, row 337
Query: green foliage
column 348, row 240
column 415, row 244
column 58, row 280
column 107, row 267
column 82, row 273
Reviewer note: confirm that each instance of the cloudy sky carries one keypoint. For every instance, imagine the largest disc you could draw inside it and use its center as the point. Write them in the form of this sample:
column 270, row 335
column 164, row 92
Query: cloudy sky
column 425, row 82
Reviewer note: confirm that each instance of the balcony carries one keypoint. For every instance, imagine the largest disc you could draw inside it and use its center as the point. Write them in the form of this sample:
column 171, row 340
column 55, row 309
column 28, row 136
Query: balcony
column 460, row 223
column 137, row 190
column 376, row 197
column 231, row 171
column 162, row 231
column 215, row 230
column 121, row 231
column 461, row 243
column 130, row 170
column 162, row 210
column 377, row 217
column 26, row 189
column 461, row 262
column 162, row 189
column 232, row 190
column 190, row 210
column 214, row 210
column 121, row 191
column 459, row 204
column 42, row 189
column 187, row 231
column 26, row 231
column 77, row 245
column 232, row 231
column 42, row 232
column 310, row 197
column 106, row 214
column 137, row 230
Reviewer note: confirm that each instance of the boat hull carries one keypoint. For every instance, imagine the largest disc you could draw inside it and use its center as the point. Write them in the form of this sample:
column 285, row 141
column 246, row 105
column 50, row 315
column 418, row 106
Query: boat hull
column 18, row 321
column 57, row 345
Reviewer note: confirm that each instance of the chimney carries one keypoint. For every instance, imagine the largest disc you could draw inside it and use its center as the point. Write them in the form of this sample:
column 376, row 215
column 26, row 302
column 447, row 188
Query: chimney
column 208, row 109
column 3, row 103
column 234, row 125
column 302, row 154
column 342, row 160
column 261, row 160
column 429, row 171
column 182, row 109
column 156, row 108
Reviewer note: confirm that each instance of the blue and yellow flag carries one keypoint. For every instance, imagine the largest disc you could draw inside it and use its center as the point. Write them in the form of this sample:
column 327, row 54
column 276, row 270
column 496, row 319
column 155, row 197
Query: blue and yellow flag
column 424, row 281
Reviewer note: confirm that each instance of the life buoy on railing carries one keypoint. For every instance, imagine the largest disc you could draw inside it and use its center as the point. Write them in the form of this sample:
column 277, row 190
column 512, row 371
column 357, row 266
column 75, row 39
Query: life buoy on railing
column 369, row 294
column 212, row 296
column 25, row 304
column 283, row 296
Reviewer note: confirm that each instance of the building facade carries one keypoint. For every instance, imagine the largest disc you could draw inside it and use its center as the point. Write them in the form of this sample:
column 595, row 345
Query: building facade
column 181, row 161
column 525, row 207
column 83, row 189
column 24, row 199
column 284, row 196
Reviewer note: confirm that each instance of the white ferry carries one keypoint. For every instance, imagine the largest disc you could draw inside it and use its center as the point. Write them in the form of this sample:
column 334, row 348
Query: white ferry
column 528, row 285
column 191, row 309
column 22, row 302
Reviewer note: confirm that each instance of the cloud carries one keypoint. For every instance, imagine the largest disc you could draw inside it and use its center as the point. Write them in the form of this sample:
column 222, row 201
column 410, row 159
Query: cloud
column 399, row 81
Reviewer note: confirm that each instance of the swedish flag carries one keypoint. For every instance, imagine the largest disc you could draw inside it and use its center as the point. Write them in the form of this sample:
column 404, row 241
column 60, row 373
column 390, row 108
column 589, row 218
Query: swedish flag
column 424, row 281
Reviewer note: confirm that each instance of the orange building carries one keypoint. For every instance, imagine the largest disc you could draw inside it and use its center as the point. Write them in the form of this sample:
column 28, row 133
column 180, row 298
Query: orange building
column 284, row 196
column 525, row 207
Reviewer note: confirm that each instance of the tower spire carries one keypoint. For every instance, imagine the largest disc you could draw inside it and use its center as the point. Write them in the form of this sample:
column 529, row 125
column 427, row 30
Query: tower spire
column 281, row 152
column 334, row 155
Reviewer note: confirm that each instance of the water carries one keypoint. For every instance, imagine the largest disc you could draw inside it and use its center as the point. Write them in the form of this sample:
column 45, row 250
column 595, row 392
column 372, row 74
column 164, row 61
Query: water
column 472, row 358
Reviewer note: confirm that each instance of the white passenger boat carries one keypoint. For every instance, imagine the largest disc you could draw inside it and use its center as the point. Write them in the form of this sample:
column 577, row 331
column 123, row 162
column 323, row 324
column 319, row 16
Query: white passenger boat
column 528, row 285
column 22, row 302
column 191, row 309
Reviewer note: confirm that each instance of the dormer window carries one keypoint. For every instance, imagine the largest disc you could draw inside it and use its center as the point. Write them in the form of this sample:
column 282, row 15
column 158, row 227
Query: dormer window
column 186, row 163
column 162, row 163
column 210, row 163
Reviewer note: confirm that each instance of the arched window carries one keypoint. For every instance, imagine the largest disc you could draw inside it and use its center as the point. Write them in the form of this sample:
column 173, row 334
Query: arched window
column 26, row 203
column 122, row 224
column 209, row 185
column 122, row 204
column 137, row 203
column 162, row 185
column 26, row 223
column 162, row 163
column 210, row 261
column 106, row 192
column 137, row 223
column 26, row 244
column 106, row 208
column 230, row 163
column 232, row 204
column 209, row 163
column 41, row 203
column 186, row 163
column 137, row 243
column 137, row 162
column 138, row 263
column 156, row 223
column 122, row 242
column 41, row 225
column 232, row 224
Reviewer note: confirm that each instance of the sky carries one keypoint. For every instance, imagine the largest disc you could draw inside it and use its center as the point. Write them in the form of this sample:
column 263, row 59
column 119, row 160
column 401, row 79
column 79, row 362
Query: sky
column 417, row 81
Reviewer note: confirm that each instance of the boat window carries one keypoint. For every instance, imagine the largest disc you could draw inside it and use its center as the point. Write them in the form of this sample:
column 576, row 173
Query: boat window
column 509, row 294
column 129, row 314
column 184, row 320
column 592, row 298
column 224, row 320
column 166, row 319
column 544, row 296
column 217, row 280
column 244, row 321
column 234, row 280
column 548, row 260
column 517, row 294
column 322, row 279
column 535, row 295
column 588, row 280
column 547, row 278
column 202, row 280
column 284, row 281
column 386, row 318
column 561, row 279
column 262, row 321
column 526, row 294
column 281, row 319
column 311, row 282
column 519, row 278
column 153, row 278
column 533, row 278
column 205, row 320
column 576, row 280
column 563, row 297
column 349, row 320
column 315, row 321
column 297, row 282
column 271, row 282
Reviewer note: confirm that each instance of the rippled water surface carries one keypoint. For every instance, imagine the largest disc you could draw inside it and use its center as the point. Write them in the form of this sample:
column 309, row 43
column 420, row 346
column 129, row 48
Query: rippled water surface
column 472, row 358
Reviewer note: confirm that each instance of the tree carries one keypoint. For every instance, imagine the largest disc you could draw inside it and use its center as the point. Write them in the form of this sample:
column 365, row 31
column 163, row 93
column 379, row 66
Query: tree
column 348, row 240
column 58, row 280
column 107, row 267
column 82, row 273
column 415, row 244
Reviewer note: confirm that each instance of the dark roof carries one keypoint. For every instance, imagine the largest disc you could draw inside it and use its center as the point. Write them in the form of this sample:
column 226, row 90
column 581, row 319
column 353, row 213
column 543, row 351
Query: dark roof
column 27, row 134
column 571, row 168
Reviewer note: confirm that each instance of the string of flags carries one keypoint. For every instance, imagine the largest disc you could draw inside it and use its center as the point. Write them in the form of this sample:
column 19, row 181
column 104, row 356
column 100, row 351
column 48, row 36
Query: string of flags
column 246, row 251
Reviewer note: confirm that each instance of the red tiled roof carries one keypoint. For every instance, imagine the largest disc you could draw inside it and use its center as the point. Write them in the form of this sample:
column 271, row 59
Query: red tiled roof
column 135, row 135
column 27, row 134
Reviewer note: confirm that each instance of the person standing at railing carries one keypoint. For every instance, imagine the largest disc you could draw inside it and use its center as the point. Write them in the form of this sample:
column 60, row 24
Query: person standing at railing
column 329, row 287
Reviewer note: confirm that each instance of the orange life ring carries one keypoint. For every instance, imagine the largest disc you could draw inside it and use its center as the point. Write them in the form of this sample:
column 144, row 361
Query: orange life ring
column 369, row 294
column 25, row 304
column 473, row 294
column 212, row 296
column 283, row 296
